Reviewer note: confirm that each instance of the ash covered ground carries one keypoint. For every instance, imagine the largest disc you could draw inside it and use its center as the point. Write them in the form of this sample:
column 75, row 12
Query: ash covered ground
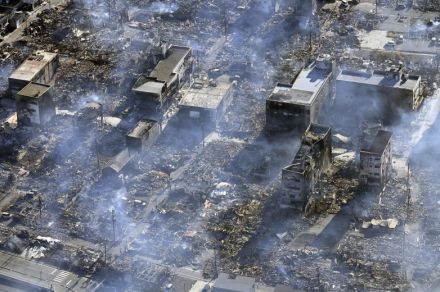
column 208, row 199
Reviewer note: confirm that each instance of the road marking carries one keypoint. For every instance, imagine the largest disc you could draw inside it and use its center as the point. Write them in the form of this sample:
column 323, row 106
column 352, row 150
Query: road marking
column 61, row 276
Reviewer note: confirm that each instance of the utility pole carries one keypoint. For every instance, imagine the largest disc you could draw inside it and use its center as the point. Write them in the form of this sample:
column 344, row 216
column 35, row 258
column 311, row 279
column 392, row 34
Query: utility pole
column 105, row 252
column 113, row 223
column 203, row 136
column 97, row 155
column 40, row 207
column 407, row 203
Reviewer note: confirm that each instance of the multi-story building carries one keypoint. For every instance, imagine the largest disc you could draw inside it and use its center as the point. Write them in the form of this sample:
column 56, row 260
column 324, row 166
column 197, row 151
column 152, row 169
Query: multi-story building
column 35, row 104
column 38, row 68
column 313, row 157
column 144, row 134
column 375, row 159
column 379, row 94
column 206, row 101
column 166, row 77
column 294, row 106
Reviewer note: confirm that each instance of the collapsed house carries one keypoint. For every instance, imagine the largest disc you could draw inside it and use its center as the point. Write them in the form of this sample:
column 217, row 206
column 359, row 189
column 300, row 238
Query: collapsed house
column 313, row 157
column 294, row 106
column 142, row 135
column 384, row 92
column 207, row 100
column 166, row 78
column 35, row 104
column 89, row 113
column 225, row 283
column 38, row 68
column 375, row 159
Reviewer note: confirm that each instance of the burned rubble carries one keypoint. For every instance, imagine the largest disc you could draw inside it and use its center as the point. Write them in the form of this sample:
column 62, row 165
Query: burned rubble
column 151, row 145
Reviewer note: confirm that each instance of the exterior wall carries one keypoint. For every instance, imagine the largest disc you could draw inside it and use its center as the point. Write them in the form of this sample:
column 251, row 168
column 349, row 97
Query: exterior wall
column 32, row 111
column 44, row 76
column 375, row 169
column 284, row 116
column 287, row 116
column 382, row 101
column 138, row 144
column 295, row 182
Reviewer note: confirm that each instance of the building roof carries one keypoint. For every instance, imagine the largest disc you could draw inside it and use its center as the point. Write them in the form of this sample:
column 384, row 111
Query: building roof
column 34, row 90
column 151, row 86
column 165, row 69
column 208, row 97
column 141, row 128
column 305, row 87
column 32, row 66
column 379, row 78
column 239, row 284
column 164, row 73
column 379, row 143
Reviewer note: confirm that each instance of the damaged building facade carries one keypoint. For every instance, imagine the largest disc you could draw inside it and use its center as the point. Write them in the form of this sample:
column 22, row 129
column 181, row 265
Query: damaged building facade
column 207, row 100
column 384, row 92
column 313, row 157
column 39, row 68
column 35, row 104
column 294, row 106
column 376, row 159
column 167, row 76
column 142, row 135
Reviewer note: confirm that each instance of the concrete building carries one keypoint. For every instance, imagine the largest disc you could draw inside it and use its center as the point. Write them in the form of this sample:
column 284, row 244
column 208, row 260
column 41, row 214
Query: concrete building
column 294, row 106
column 384, row 92
column 225, row 283
column 313, row 157
column 35, row 105
column 375, row 159
column 206, row 101
column 166, row 77
column 38, row 68
column 144, row 134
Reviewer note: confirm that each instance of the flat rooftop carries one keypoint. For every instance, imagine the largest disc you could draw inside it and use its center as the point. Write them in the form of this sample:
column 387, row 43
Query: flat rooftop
column 207, row 97
column 304, row 89
column 165, row 68
column 141, row 128
column 240, row 284
column 34, row 90
column 379, row 143
column 150, row 86
column 32, row 66
column 378, row 78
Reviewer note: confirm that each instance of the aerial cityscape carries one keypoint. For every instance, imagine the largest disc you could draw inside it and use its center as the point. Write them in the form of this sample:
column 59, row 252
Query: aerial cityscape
column 219, row 145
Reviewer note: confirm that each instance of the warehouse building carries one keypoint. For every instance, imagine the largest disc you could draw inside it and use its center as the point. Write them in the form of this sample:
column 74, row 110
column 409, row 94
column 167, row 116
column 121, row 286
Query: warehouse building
column 375, row 159
column 207, row 100
column 166, row 78
column 35, row 104
column 313, row 157
column 38, row 68
column 294, row 106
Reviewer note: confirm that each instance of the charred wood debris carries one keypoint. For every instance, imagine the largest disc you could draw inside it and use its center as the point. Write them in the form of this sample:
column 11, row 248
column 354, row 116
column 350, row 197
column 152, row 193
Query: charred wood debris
column 196, row 199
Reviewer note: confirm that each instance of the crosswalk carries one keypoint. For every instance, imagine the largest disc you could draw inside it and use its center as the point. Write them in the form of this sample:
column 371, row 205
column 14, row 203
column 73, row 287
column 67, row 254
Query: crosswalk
column 62, row 275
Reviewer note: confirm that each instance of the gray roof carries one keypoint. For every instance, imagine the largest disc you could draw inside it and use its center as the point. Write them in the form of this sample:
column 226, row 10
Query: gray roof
column 141, row 128
column 34, row 90
column 165, row 68
column 378, row 78
column 304, row 89
column 33, row 65
column 207, row 97
column 239, row 284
